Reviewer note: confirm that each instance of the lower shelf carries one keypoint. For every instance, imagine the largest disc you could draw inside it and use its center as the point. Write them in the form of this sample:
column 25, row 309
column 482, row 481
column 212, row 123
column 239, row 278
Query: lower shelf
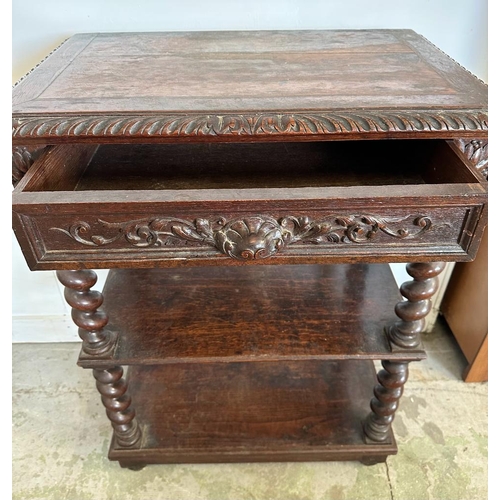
column 252, row 412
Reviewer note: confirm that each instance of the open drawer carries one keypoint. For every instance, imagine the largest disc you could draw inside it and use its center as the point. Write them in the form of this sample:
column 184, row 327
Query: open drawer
column 155, row 205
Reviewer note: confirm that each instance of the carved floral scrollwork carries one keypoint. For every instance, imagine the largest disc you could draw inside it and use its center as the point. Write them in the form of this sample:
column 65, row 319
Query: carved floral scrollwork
column 145, row 233
column 476, row 151
column 22, row 159
column 352, row 228
column 248, row 238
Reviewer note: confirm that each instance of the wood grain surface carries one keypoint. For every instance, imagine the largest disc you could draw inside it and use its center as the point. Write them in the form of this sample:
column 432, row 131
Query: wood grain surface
column 258, row 312
column 248, row 412
column 146, row 86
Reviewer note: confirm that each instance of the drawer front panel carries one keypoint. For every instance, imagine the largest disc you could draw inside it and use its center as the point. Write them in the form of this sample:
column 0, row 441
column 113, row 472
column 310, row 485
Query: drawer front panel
column 153, row 239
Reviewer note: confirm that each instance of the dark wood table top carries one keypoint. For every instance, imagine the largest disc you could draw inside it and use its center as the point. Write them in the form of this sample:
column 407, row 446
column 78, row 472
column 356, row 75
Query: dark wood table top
column 272, row 84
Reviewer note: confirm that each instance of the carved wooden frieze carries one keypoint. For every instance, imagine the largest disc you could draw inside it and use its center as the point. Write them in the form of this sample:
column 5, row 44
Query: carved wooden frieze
column 475, row 151
column 248, row 238
column 298, row 123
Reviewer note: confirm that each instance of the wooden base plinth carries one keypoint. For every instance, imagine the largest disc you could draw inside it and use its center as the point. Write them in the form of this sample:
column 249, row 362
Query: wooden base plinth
column 252, row 412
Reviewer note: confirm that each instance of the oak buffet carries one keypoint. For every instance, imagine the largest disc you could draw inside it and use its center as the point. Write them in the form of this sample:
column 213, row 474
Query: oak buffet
column 247, row 191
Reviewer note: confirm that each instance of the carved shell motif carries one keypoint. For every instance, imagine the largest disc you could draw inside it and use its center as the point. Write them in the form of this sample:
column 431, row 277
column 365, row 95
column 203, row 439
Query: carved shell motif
column 250, row 238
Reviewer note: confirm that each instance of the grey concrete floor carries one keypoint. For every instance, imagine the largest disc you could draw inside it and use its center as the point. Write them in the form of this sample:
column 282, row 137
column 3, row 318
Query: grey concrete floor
column 61, row 438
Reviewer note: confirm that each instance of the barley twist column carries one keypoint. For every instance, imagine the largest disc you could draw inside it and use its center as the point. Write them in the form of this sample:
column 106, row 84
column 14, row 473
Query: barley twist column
column 406, row 332
column 85, row 311
column 113, row 389
column 385, row 403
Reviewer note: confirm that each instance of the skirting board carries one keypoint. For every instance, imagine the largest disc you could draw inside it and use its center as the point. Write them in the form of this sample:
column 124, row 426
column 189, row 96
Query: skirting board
column 44, row 328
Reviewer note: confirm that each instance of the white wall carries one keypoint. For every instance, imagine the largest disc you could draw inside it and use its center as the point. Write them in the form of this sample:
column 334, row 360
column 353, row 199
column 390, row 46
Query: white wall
column 458, row 27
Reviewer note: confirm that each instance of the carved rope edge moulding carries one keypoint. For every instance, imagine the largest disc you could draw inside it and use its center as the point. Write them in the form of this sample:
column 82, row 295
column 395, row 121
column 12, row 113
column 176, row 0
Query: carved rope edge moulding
column 297, row 123
column 249, row 238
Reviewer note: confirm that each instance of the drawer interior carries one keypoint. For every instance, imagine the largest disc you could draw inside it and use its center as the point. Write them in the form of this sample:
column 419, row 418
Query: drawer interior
column 250, row 165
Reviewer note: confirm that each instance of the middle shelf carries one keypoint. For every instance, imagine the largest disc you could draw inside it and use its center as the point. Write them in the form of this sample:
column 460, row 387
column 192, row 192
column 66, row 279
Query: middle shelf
column 250, row 313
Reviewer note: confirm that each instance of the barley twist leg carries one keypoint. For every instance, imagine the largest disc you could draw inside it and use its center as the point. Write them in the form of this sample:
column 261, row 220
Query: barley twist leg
column 113, row 389
column 385, row 403
column 85, row 304
column 412, row 312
